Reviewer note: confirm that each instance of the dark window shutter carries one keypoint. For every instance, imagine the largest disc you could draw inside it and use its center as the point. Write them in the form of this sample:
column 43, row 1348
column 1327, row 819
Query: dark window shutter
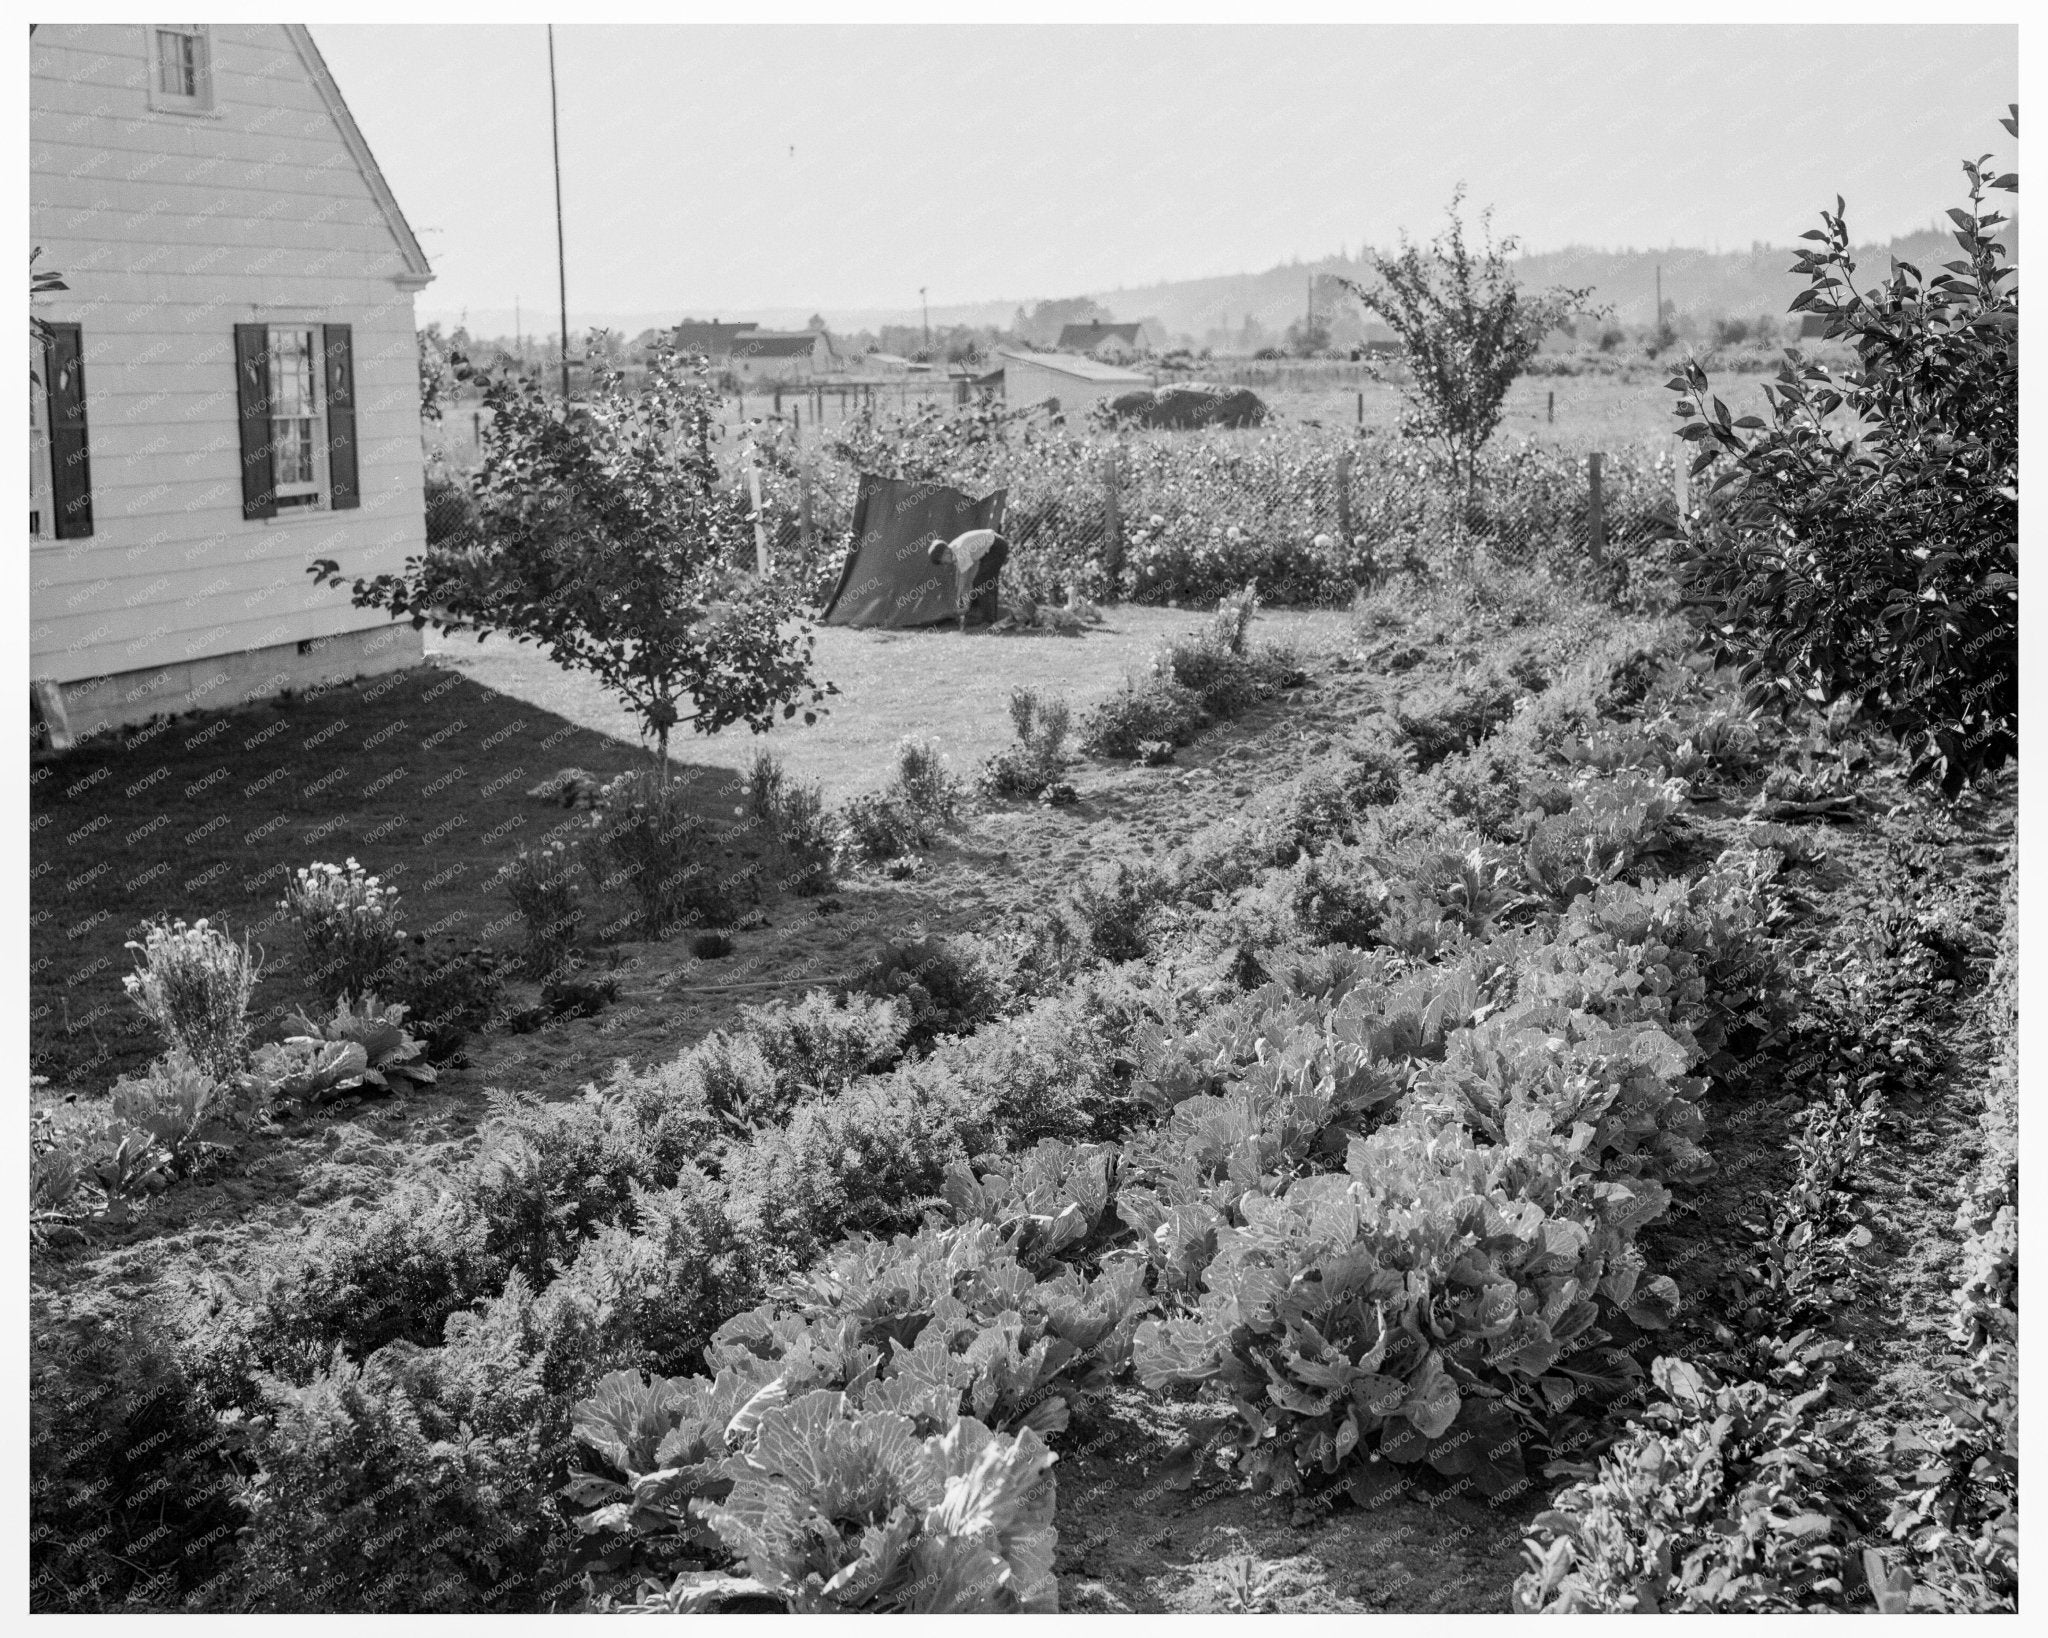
column 70, row 462
column 343, row 489
column 252, row 384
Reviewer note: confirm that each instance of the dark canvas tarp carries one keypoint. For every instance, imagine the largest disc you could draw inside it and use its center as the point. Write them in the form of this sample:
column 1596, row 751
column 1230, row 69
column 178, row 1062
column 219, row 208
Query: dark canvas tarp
column 889, row 578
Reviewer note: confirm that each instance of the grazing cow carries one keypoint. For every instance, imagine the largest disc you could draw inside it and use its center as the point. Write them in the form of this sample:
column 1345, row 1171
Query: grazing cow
column 967, row 553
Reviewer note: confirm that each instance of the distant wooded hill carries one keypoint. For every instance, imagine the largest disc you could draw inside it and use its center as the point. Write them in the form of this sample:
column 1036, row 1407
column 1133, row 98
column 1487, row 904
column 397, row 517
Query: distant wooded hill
column 1700, row 284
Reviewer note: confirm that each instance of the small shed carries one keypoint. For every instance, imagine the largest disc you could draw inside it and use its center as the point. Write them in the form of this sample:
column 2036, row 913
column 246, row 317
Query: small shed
column 1073, row 383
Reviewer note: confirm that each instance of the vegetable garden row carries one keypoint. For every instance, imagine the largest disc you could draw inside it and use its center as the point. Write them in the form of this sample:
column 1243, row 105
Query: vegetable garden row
column 1349, row 1121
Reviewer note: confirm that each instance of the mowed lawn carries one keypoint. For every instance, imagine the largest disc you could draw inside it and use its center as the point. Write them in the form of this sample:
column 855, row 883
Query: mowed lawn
column 932, row 683
column 422, row 776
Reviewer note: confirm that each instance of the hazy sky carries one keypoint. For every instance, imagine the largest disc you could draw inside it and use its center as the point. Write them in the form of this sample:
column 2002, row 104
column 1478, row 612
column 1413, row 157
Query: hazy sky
column 723, row 168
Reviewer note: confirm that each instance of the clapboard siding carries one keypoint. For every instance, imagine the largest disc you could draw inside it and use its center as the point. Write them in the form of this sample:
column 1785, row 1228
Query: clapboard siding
column 170, row 229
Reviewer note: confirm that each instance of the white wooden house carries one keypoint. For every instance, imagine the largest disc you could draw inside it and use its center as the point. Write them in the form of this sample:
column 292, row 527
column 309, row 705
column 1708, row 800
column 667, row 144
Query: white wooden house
column 783, row 356
column 231, row 389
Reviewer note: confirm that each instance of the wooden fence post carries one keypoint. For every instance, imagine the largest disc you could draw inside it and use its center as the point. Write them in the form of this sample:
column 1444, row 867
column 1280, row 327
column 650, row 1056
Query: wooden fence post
column 760, row 525
column 1550, row 408
column 1112, row 516
column 1344, row 496
column 803, row 516
column 1361, row 409
column 778, row 400
column 1596, row 510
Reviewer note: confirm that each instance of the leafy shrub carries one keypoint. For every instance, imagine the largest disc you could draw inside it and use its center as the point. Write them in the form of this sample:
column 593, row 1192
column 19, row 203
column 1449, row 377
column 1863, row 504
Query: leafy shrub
column 447, row 997
column 1880, row 566
column 540, row 881
column 922, row 784
column 1217, row 667
column 1455, row 718
column 1337, row 897
column 641, row 835
column 1033, row 763
column 786, row 1052
column 793, row 815
column 418, row 1479
column 919, row 801
column 132, row 1493
column 566, row 993
column 349, row 922
column 1494, row 787
column 1324, row 802
column 194, row 985
column 1717, row 1500
column 875, row 827
column 1113, row 907
column 818, row 1045
column 1156, row 711
column 940, row 990
column 865, row 1161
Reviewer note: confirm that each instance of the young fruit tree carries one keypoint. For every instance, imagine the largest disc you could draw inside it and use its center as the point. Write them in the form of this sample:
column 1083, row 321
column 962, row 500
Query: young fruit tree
column 1863, row 544
column 1466, row 332
column 604, row 535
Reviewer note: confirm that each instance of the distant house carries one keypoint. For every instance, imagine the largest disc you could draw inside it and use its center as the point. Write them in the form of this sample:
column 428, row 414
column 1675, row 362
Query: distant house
column 1379, row 342
column 1100, row 340
column 710, row 337
column 1153, row 336
column 1071, row 382
column 231, row 387
column 782, row 355
column 879, row 363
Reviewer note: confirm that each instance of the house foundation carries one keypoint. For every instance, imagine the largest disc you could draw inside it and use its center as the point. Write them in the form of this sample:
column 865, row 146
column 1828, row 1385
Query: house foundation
column 96, row 704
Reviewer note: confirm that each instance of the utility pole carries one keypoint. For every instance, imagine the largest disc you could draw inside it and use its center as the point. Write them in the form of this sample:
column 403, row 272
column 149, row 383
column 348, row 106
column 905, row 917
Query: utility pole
column 927, row 317
column 561, row 254
column 1660, row 295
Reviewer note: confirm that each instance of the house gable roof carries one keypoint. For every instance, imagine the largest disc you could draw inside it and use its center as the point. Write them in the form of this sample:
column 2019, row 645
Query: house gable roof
column 1085, row 369
column 777, row 343
column 418, row 272
column 1081, row 337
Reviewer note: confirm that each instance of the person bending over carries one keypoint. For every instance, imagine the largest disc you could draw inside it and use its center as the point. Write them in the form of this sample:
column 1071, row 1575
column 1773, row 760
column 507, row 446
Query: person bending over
column 967, row 553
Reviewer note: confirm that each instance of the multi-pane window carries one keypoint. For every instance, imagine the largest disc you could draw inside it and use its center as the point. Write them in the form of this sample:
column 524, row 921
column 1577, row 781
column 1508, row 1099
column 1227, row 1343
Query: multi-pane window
column 177, row 62
column 181, row 73
column 297, row 436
